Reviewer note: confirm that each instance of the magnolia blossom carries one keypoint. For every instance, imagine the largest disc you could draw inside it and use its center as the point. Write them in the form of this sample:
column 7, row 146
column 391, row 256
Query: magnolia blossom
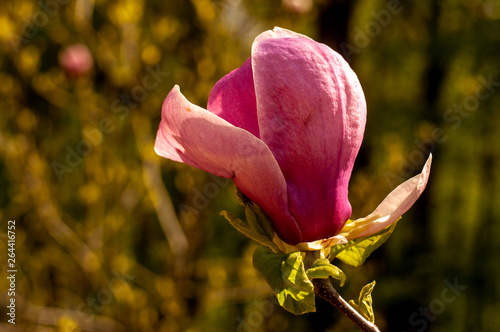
column 286, row 127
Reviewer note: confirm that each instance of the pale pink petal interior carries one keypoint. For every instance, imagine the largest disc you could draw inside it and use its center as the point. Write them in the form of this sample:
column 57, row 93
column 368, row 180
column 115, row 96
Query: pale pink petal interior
column 233, row 99
column 391, row 208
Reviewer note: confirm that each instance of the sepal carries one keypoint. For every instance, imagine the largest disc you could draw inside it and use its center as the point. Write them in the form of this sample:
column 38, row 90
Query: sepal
column 258, row 227
column 254, row 227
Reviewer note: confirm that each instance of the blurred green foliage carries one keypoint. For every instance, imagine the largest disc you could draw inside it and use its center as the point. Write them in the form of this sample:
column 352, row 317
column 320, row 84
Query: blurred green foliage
column 111, row 237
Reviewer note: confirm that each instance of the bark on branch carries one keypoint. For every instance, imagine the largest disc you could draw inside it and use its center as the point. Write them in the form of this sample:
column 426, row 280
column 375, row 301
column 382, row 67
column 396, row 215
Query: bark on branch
column 324, row 289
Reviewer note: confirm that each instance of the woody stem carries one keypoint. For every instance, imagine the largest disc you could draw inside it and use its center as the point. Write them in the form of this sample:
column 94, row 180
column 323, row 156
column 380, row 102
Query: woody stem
column 324, row 289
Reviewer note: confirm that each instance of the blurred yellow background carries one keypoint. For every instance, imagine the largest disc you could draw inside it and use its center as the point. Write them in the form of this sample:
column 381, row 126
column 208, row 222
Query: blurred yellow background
column 111, row 237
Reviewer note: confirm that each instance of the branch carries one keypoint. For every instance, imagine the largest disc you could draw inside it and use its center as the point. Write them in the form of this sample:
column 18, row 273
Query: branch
column 324, row 289
column 156, row 189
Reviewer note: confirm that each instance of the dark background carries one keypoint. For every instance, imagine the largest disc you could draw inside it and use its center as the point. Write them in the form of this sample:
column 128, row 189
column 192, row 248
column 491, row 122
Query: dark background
column 124, row 240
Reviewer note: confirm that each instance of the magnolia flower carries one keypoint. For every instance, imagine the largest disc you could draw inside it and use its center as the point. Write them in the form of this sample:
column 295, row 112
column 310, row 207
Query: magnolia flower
column 286, row 127
column 76, row 60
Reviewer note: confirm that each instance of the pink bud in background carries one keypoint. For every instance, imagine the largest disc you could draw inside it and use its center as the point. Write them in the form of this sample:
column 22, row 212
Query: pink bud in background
column 76, row 60
column 298, row 6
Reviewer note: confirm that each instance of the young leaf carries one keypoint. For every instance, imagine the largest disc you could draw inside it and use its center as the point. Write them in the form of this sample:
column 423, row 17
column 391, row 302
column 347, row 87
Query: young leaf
column 364, row 305
column 322, row 268
column 288, row 279
column 355, row 252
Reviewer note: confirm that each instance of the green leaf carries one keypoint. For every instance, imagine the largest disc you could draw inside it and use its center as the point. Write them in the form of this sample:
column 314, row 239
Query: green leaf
column 355, row 252
column 322, row 269
column 288, row 279
column 364, row 305
column 255, row 227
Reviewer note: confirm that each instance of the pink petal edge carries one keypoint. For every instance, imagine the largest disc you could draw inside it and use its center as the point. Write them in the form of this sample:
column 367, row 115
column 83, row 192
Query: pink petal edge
column 192, row 135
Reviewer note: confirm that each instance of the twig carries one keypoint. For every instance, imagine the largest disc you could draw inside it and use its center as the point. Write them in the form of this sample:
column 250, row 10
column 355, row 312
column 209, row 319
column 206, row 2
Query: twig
column 324, row 289
column 157, row 192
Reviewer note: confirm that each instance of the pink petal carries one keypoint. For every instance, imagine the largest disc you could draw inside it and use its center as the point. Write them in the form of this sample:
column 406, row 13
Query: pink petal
column 233, row 99
column 391, row 208
column 312, row 112
column 191, row 134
